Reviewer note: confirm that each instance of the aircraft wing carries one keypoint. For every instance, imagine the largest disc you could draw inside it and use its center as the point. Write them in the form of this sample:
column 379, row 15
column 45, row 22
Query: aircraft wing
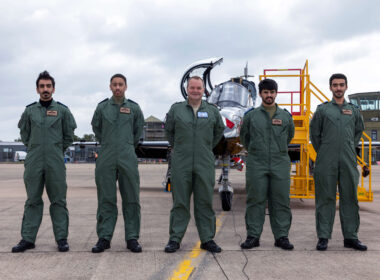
column 152, row 149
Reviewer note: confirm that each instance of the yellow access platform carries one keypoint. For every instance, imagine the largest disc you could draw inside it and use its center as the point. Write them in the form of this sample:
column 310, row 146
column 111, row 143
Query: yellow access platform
column 299, row 101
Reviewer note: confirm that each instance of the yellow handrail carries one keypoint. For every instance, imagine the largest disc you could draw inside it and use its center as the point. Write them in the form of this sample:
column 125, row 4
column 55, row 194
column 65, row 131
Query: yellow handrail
column 302, row 185
column 320, row 92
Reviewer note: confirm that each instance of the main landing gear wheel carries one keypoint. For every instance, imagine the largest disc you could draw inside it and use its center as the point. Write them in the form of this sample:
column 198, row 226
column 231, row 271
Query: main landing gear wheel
column 226, row 198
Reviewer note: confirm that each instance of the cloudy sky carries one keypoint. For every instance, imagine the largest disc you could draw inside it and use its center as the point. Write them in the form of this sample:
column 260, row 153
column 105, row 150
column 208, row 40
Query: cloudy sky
column 82, row 43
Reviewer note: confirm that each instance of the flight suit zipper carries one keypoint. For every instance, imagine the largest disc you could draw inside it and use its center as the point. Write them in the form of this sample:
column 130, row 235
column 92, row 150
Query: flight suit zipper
column 340, row 132
column 118, row 147
column 194, row 133
column 270, row 137
column 43, row 146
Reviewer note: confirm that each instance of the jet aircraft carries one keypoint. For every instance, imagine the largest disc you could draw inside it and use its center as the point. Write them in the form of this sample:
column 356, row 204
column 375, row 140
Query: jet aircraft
column 233, row 99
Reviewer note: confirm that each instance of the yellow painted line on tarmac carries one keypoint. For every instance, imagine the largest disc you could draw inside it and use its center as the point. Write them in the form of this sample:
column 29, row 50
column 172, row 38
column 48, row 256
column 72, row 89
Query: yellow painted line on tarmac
column 191, row 260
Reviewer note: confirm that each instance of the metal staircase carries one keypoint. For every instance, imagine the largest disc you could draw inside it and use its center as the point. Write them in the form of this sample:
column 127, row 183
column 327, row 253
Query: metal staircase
column 302, row 181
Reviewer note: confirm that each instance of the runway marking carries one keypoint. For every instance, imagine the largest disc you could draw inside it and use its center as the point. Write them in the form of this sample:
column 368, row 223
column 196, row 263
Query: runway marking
column 191, row 260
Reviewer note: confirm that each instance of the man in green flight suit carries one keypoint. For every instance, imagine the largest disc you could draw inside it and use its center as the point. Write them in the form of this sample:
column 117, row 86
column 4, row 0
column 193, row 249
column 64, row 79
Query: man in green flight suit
column 266, row 133
column 47, row 130
column 117, row 123
column 335, row 131
column 193, row 128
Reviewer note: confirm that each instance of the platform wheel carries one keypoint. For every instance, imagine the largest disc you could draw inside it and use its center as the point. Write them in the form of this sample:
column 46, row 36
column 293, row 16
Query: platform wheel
column 168, row 186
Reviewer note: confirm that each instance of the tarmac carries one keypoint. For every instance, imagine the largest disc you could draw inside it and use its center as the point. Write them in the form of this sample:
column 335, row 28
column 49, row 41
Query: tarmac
column 264, row 262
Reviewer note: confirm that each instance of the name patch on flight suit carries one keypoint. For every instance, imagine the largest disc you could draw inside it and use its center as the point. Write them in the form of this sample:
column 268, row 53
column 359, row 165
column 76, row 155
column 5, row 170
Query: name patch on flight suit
column 202, row 115
column 346, row 112
column 125, row 110
column 276, row 122
column 52, row 113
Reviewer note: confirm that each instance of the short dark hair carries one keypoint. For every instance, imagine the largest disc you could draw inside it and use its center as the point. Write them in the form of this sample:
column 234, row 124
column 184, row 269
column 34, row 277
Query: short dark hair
column 45, row 76
column 337, row 76
column 268, row 84
column 195, row 78
column 119, row 76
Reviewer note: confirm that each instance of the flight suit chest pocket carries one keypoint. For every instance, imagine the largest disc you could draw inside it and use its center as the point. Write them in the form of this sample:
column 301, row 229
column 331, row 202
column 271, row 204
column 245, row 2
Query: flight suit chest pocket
column 183, row 122
column 108, row 117
column 205, row 120
column 333, row 117
column 36, row 120
column 205, row 127
column 279, row 126
column 348, row 116
column 125, row 115
column 54, row 120
column 258, row 126
column 257, row 131
column 280, row 132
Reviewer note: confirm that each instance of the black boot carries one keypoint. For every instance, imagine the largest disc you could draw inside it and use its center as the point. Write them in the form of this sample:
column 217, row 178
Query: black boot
column 354, row 244
column 63, row 246
column 134, row 246
column 101, row 245
column 283, row 243
column 211, row 246
column 250, row 242
column 172, row 246
column 22, row 246
column 322, row 244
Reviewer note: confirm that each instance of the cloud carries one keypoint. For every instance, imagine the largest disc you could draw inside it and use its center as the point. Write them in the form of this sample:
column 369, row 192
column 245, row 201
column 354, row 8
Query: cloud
column 83, row 43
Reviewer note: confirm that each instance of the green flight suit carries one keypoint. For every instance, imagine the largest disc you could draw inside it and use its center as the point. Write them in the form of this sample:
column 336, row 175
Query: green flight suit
column 335, row 132
column 268, row 170
column 193, row 136
column 118, row 129
column 47, row 133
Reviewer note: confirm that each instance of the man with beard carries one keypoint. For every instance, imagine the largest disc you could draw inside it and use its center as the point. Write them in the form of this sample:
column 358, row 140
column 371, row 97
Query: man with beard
column 335, row 131
column 47, row 130
column 117, row 123
column 266, row 133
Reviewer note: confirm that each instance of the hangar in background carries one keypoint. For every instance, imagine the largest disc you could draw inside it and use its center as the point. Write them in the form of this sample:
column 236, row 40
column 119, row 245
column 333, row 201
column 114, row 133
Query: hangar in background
column 369, row 105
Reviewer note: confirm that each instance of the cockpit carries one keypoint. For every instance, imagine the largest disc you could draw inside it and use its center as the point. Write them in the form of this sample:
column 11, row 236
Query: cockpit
column 229, row 94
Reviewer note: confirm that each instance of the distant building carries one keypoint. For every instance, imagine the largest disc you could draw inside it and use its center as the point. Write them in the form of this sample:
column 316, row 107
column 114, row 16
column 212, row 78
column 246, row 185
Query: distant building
column 8, row 150
column 153, row 135
column 154, row 129
column 369, row 105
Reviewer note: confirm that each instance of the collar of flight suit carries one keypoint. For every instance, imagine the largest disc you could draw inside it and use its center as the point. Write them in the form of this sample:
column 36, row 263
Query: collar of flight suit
column 262, row 108
column 52, row 104
column 334, row 102
column 200, row 106
column 112, row 101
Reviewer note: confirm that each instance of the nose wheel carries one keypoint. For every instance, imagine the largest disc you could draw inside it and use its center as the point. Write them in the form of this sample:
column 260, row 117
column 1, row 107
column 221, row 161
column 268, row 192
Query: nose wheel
column 225, row 190
column 226, row 199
